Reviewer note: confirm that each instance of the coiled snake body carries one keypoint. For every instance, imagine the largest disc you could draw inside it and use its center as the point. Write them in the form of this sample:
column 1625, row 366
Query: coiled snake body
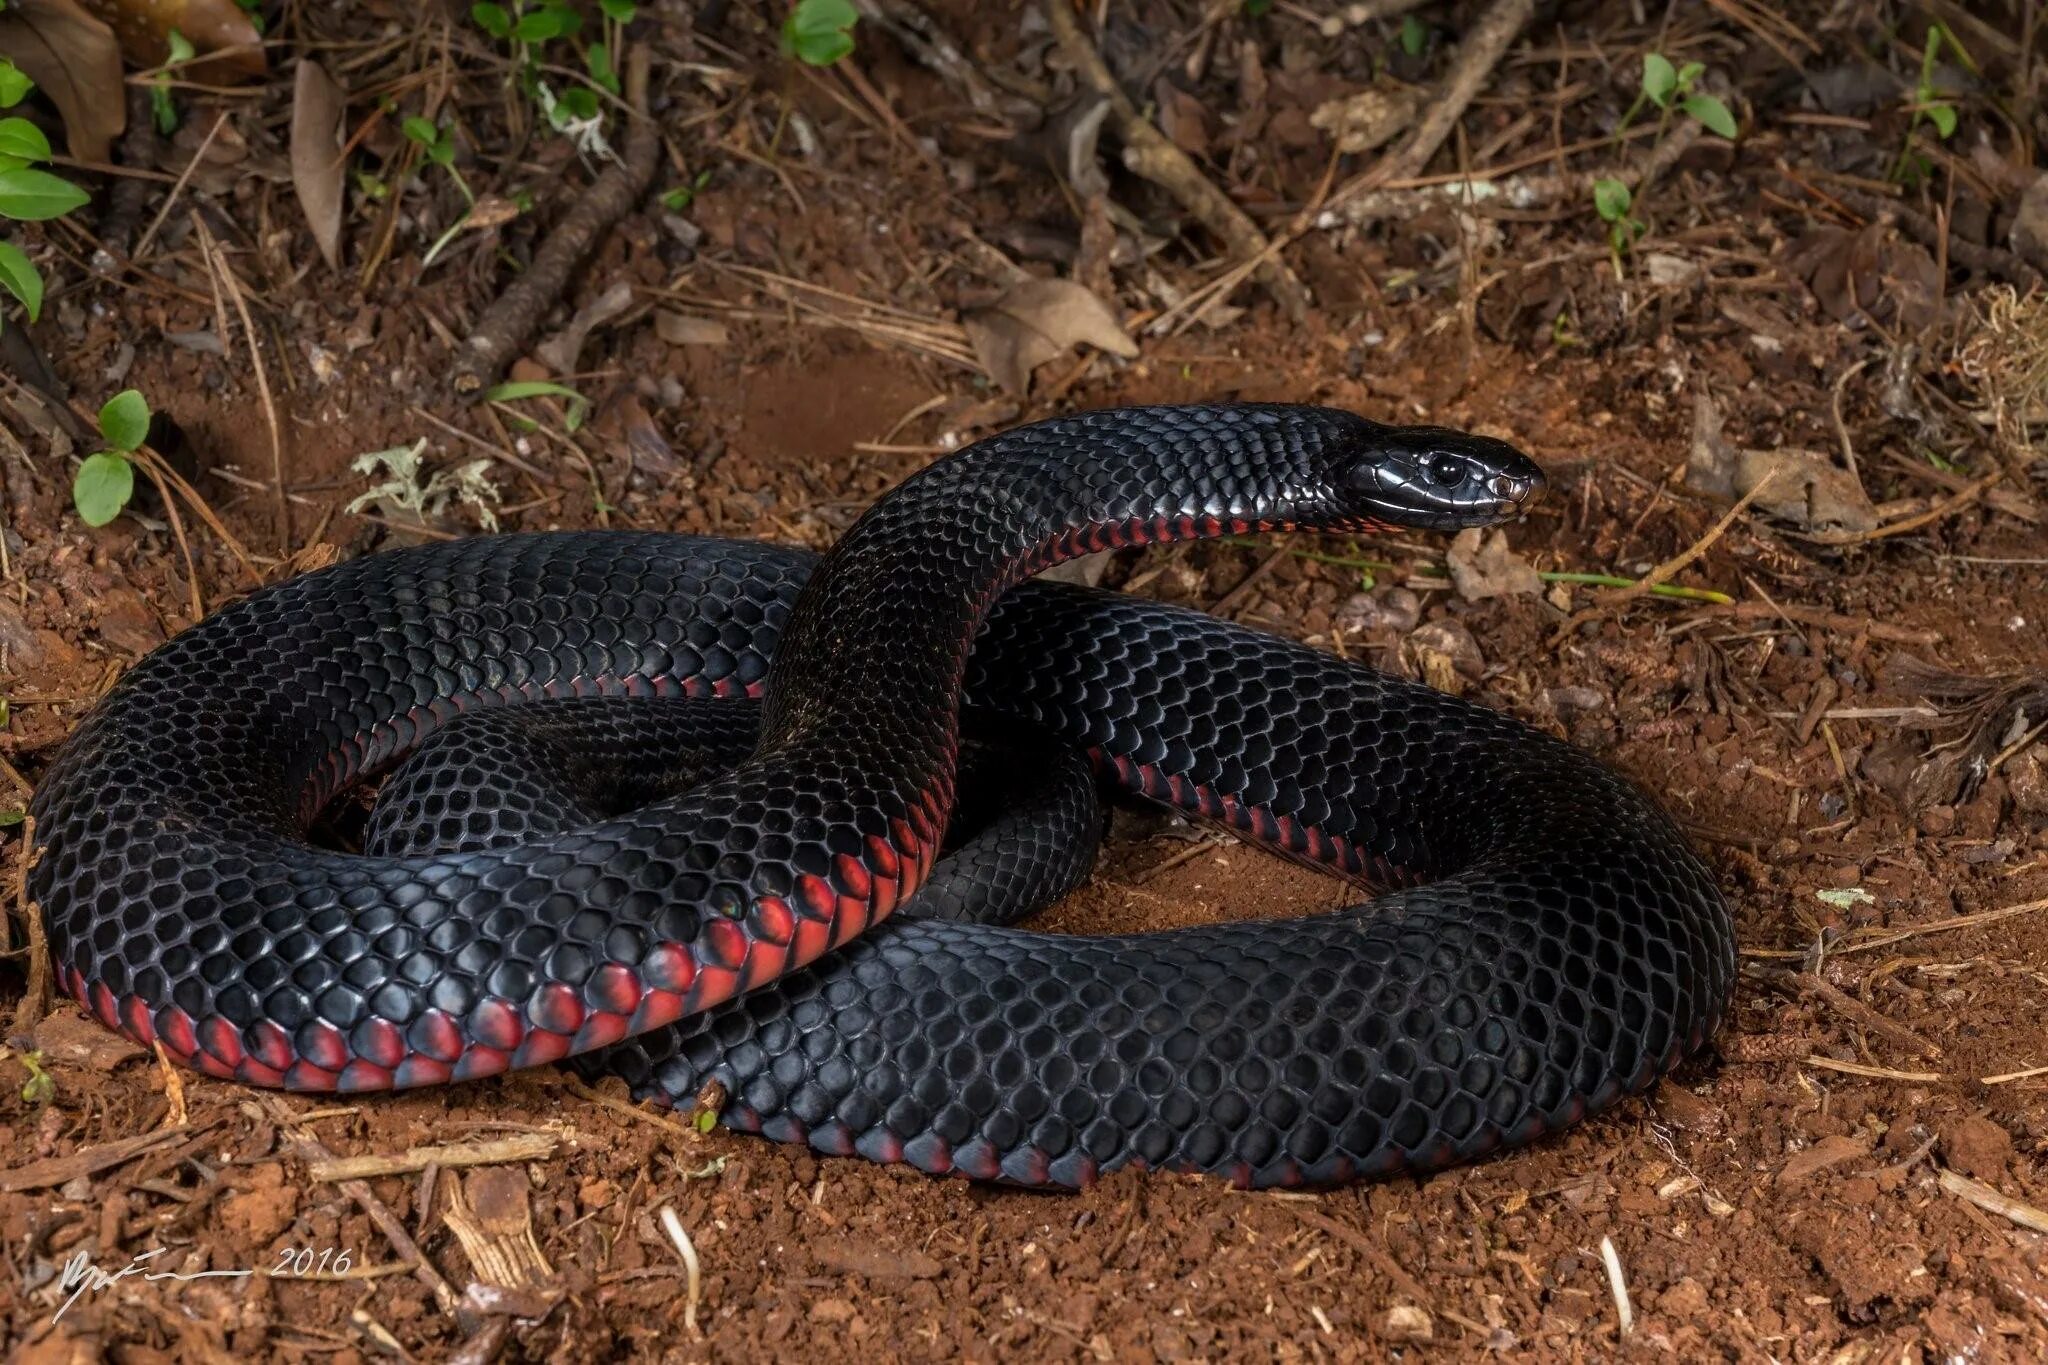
column 1551, row 943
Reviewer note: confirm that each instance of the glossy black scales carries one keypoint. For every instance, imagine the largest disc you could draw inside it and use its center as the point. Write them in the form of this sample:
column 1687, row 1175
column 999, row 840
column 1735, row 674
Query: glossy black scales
column 1566, row 948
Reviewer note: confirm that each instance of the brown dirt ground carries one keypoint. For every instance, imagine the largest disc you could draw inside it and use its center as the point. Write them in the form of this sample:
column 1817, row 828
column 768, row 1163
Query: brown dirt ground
column 1764, row 1203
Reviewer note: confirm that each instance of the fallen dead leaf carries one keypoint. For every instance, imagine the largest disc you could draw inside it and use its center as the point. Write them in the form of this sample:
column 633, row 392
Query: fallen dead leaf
column 1183, row 118
column 318, row 175
column 65, row 1035
column 685, row 329
column 75, row 60
column 559, row 351
column 1370, row 118
column 1483, row 566
column 1038, row 320
column 230, row 48
column 1807, row 489
column 1829, row 1151
column 1867, row 275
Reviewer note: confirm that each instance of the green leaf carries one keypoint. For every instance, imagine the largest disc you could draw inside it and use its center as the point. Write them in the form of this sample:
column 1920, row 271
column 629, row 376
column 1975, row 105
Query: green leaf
column 1660, row 78
column 422, row 131
column 162, row 110
column 124, row 421
column 21, row 279
column 19, row 137
column 104, row 484
column 1611, row 199
column 1413, row 36
column 580, row 101
column 1689, row 73
column 705, row 1120
column 492, row 19
column 32, row 196
column 514, row 390
column 1257, row 9
column 12, row 817
column 1943, row 117
column 599, row 62
column 619, row 11
column 537, row 26
column 1712, row 114
column 819, row 32
column 14, row 85
column 182, row 50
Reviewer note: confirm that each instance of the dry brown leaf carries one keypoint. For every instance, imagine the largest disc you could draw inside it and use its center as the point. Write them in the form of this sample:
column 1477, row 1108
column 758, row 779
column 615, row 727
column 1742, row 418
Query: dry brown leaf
column 1370, row 118
column 559, row 351
column 1036, row 321
column 1183, row 118
column 1483, row 566
column 1807, row 490
column 318, row 107
column 219, row 30
column 76, row 61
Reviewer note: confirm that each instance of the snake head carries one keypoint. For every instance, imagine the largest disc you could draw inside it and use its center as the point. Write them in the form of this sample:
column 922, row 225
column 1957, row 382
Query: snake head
column 1436, row 479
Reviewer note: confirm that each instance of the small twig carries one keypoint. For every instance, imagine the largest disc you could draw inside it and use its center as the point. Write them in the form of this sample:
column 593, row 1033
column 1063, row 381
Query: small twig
column 149, row 234
column 1618, row 1283
column 693, row 1270
column 311, row 1149
column 1151, row 154
column 509, row 322
column 1991, row 1201
column 225, row 273
column 1827, row 620
column 1807, row 984
column 1878, row 1073
column 1947, row 507
column 518, row 1147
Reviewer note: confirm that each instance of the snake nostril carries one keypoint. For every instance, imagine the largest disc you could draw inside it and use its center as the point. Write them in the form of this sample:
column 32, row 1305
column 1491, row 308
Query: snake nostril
column 1506, row 487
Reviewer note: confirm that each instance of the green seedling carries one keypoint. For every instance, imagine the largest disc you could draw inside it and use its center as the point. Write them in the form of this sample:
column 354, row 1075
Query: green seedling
column 1671, row 87
column 1613, row 202
column 529, row 26
column 1929, row 106
column 819, row 32
column 28, row 194
column 1414, row 35
column 106, row 480
column 1257, row 9
column 162, row 107
column 42, row 1086
column 682, row 196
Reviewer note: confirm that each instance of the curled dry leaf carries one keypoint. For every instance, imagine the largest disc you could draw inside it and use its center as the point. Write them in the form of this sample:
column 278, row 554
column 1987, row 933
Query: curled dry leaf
column 1807, row 490
column 1039, row 320
column 559, row 351
column 230, row 48
column 75, row 60
column 1867, row 275
column 1483, row 566
column 318, row 107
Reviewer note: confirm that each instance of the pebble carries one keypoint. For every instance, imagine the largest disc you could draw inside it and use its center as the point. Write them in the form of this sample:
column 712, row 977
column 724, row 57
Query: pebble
column 1977, row 1147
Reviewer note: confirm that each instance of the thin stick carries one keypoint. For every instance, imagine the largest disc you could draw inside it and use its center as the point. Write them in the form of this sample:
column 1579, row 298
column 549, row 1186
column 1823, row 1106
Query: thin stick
column 227, row 277
column 1991, row 1201
column 1874, row 1072
column 518, row 1147
column 693, row 1269
column 178, row 187
column 1616, row 1282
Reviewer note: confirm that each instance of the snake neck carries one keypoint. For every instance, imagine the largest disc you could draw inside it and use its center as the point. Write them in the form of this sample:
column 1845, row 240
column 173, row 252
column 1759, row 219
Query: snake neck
column 892, row 614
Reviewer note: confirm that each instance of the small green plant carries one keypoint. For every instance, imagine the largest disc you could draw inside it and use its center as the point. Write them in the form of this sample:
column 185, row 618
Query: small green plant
column 1670, row 88
column 1613, row 202
column 106, row 480
column 819, row 32
column 1414, row 35
column 1929, row 107
column 162, row 107
column 530, row 25
column 682, row 196
column 42, row 1086
column 27, row 193
column 1257, row 9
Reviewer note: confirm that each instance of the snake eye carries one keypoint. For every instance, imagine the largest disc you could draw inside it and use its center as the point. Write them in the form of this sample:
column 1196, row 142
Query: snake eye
column 1446, row 472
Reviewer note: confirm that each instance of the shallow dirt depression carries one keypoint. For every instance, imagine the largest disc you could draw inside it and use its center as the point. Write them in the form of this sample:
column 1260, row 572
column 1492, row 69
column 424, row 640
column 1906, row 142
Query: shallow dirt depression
column 1836, row 681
